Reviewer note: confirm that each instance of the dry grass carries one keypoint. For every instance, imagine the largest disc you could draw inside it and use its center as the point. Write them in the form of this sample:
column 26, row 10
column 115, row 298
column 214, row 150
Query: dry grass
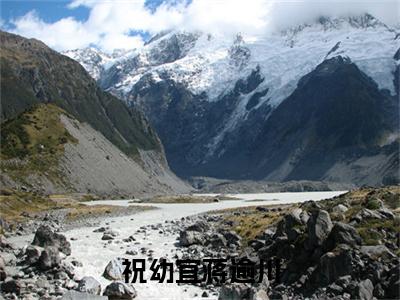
column 249, row 222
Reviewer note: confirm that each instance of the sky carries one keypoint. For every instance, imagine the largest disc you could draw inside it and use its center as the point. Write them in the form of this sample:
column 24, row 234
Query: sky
column 127, row 24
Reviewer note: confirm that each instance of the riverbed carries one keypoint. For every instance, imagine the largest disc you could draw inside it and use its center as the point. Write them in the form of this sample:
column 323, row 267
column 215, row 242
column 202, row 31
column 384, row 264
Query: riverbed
column 94, row 253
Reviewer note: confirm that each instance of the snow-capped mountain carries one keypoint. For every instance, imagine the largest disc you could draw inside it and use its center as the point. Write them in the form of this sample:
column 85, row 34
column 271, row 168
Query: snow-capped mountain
column 208, row 95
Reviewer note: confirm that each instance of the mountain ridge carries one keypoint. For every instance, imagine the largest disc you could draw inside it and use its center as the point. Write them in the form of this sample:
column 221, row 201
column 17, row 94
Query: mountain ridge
column 218, row 95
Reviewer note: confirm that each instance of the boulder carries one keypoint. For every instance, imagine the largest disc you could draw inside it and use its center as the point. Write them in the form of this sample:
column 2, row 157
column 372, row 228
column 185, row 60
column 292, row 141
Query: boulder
column 90, row 285
column 3, row 273
column 340, row 208
column 11, row 286
column 32, row 254
column 393, row 289
column 45, row 237
column 376, row 252
column 118, row 290
column 319, row 226
column 187, row 238
column 342, row 233
column 114, row 270
column 333, row 265
column 49, row 258
column 231, row 237
column 199, row 226
column 235, row 291
column 74, row 295
column 217, row 240
column 365, row 290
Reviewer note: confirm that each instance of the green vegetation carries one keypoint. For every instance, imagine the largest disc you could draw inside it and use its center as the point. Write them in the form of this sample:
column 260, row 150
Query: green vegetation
column 33, row 142
column 36, row 74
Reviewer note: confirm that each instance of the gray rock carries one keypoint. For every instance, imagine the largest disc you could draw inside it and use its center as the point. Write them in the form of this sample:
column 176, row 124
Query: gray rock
column 340, row 208
column 319, row 226
column 90, row 285
column 11, row 286
column 365, row 290
column 342, row 233
column 231, row 237
column 333, row 265
column 114, row 270
column 199, row 226
column 235, row 291
column 32, row 254
column 378, row 251
column 119, row 290
column 45, row 237
column 187, row 238
column 74, row 295
column 217, row 241
column 49, row 258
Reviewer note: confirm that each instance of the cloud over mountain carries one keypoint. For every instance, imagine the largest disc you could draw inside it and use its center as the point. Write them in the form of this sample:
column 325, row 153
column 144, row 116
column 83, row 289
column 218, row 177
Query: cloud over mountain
column 122, row 24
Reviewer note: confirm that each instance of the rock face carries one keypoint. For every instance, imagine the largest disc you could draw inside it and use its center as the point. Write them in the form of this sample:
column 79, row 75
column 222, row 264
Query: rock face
column 45, row 237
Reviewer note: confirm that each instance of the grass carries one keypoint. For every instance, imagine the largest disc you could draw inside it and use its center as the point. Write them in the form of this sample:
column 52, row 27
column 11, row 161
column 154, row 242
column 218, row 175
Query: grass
column 370, row 231
column 17, row 207
column 33, row 143
column 82, row 211
column 249, row 223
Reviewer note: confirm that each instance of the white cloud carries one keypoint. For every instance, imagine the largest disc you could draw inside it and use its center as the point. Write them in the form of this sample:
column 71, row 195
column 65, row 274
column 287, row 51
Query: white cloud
column 110, row 23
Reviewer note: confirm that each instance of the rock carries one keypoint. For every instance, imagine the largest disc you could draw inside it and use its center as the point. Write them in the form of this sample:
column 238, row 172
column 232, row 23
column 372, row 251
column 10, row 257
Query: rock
column 376, row 252
column 45, row 237
column 204, row 294
column 333, row 265
column 199, row 226
column 235, row 291
column 119, row 290
column 101, row 229
column 49, row 258
column 340, row 208
column 231, row 237
column 256, row 244
column 9, row 258
column 107, row 237
column 187, row 238
column 114, row 270
column 11, row 286
column 3, row 273
column 74, row 295
column 393, row 289
column 259, row 295
column 32, row 254
column 131, row 252
column 342, row 233
column 319, row 226
column 217, row 241
column 365, row 290
column 90, row 285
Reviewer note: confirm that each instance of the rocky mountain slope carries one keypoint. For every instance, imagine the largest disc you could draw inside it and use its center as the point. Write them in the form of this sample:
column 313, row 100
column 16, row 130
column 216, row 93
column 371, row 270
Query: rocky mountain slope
column 285, row 106
column 61, row 132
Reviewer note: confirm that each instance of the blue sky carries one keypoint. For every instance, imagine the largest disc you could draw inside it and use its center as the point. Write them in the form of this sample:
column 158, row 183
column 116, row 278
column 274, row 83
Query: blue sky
column 113, row 24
